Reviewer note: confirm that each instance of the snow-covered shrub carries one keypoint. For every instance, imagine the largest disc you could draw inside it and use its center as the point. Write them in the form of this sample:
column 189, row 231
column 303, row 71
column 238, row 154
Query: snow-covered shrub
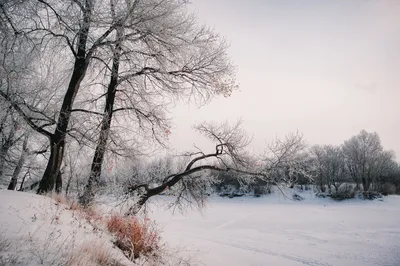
column 234, row 185
column 262, row 190
column 388, row 189
column 322, row 195
column 370, row 195
column 297, row 197
column 344, row 192
column 134, row 237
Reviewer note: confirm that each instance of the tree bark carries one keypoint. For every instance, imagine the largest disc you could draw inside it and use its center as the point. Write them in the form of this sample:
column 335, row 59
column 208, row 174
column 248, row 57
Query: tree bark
column 150, row 192
column 366, row 184
column 57, row 141
column 59, row 182
column 47, row 183
column 98, row 158
column 14, row 179
column 21, row 186
column 9, row 141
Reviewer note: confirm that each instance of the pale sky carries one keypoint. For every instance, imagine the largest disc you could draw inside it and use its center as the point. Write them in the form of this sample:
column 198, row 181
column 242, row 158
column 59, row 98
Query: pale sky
column 325, row 68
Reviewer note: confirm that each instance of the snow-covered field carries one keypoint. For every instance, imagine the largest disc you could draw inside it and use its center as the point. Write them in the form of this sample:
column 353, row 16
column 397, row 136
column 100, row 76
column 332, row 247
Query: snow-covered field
column 275, row 231
column 271, row 230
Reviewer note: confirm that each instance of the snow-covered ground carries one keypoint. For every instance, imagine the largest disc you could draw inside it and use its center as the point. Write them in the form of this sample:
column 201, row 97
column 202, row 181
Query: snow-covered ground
column 275, row 231
column 38, row 230
column 270, row 230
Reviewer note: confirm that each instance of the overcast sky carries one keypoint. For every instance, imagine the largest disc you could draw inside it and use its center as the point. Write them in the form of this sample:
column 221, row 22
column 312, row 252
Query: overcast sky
column 326, row 68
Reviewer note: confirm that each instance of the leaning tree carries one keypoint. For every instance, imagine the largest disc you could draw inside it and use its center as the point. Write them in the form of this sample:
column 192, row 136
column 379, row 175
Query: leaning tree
column 230, row 155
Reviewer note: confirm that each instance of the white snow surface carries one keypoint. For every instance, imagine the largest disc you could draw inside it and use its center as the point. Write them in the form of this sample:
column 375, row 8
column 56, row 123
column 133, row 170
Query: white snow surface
column 43, row 231
column 273, row 230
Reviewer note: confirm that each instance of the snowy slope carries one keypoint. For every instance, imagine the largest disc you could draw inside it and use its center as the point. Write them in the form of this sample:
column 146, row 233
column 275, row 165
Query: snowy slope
column 275, row 231
column 37, row 230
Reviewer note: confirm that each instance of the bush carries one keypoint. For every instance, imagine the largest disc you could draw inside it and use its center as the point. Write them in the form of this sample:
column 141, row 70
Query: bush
column 262, row 190
column 344, row 192
column 134, row 237
column 371, row 195
column 297, row 197
column 388, row 189
column 322, row 195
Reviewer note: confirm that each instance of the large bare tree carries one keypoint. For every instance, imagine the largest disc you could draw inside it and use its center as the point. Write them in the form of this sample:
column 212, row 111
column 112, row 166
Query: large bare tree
column 148, row 38
column 157, row 54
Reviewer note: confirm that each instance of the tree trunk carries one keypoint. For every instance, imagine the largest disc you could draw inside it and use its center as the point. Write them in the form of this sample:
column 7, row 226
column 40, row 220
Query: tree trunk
column 321, row 184
column 59, row 182
column 137, row 206
column 337, row 186
column 3, row 154
column 57, row 145
column 68, row 184
column 14, row 179
column 57, row 141
column 366, row 184
column 95, row 171
column 6, row 145
column 21, row 187
column 47, row 183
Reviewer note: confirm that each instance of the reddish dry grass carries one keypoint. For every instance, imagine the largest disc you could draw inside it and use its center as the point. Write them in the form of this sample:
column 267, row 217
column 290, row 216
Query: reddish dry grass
column 134, row 237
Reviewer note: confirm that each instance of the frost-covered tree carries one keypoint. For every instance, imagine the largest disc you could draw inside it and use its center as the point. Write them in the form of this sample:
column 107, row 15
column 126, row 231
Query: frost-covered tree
column 190, row 182
column 156, row 55
column 150, row 49
column 330, row 166
column 366, row 160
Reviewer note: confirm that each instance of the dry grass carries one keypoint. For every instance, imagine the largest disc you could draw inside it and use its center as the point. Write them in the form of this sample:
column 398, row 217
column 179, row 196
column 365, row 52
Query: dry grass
column 133, row 236
column 7, row 258
column 4, row 243
column 90, row 213
column 92, row 254
column 59, row 198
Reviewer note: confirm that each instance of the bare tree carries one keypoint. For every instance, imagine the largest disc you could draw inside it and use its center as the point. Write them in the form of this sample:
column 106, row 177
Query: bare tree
column 229, row 155
column 169, row 57
column 365, row 158
column 331, row 166
column 148, row 35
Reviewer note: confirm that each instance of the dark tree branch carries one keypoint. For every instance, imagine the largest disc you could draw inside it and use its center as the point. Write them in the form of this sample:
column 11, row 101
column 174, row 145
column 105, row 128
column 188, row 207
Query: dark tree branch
column 27, row 119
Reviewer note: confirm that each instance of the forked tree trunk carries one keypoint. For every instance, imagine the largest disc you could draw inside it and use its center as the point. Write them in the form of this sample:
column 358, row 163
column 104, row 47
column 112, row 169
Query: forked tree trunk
column 57, row 141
